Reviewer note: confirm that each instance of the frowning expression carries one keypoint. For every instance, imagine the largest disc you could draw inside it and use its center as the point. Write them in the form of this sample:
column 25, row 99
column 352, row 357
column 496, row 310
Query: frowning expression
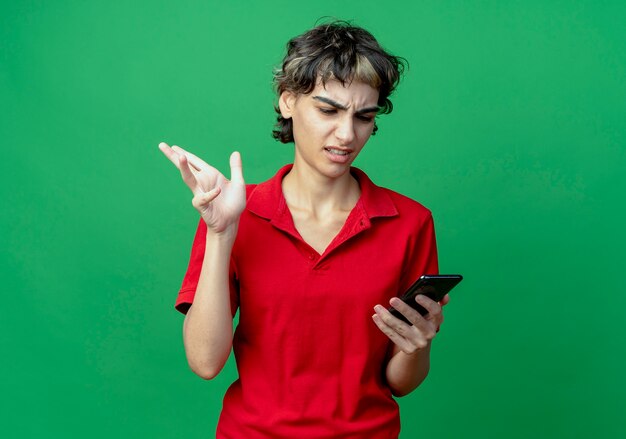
column 331, row 124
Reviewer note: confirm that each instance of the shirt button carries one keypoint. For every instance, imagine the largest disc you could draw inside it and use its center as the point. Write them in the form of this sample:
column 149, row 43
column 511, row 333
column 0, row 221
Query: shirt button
column 311, row 256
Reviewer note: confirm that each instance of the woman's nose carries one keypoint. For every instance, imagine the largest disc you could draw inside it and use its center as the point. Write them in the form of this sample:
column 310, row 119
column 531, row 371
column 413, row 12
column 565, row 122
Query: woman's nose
column 345, row 130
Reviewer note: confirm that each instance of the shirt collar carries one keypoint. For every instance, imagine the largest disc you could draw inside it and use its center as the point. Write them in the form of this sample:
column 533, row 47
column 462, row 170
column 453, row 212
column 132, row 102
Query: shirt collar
column 267, row 201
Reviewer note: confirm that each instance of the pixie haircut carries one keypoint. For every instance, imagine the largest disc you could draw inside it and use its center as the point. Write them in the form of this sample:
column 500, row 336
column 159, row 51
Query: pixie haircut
column 340, row 51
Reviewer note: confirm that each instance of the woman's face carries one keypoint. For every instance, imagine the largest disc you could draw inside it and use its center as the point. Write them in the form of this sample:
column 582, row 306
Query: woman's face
column 331, row 124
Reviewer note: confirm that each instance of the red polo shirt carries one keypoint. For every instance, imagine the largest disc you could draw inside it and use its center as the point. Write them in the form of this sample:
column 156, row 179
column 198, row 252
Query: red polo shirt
column 311, row 361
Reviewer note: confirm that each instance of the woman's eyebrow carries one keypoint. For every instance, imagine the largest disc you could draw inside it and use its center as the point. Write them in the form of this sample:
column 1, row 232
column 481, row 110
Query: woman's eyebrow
column 330, row 102
column 373, row 109
column 339, row 106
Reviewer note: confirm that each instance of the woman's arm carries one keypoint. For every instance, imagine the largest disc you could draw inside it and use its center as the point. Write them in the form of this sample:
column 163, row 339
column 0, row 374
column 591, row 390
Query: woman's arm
column 405, row 372
column 208, row 326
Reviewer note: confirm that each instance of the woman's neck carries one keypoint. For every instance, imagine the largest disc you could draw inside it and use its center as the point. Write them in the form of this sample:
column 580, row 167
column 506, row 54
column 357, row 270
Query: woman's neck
column 307, row 190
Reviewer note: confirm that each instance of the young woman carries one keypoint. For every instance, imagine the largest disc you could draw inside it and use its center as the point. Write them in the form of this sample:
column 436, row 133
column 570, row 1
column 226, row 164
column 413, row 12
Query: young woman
column 311, row 258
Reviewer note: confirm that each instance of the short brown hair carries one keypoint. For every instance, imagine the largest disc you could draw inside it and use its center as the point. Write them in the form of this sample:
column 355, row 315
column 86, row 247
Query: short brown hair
column 337, row 50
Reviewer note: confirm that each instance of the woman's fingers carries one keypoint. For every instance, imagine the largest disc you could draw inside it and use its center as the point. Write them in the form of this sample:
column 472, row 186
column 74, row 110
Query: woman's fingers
column 393, row 335
column 180, row 158
column 188, row 177
column 434, row 309
column 236, row 168
column 194, row 160
column 406, row 337
column 396, row 324
column 169, row 153
column 201, row 200
column 174, row 154
column 445, row 300
column 200, row 176
column 411, row 314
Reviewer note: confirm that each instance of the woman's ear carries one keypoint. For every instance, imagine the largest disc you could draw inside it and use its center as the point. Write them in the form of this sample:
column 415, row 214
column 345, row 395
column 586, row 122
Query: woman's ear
column 286, row 103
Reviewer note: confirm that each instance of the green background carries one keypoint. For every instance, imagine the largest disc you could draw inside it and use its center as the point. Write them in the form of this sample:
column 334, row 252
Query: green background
column 509, row 125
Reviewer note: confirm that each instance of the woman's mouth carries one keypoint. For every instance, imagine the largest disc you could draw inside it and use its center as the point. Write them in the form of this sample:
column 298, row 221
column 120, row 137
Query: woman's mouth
column 338, row 155
column 337, row 151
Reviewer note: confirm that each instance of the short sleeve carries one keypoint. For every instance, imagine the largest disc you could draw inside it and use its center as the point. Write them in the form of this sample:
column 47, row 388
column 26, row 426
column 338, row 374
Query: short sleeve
column 190, row 281
column 421, row 255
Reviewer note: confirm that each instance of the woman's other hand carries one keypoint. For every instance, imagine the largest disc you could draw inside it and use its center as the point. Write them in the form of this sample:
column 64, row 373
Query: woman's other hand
column 407, row 338
column 218, row 200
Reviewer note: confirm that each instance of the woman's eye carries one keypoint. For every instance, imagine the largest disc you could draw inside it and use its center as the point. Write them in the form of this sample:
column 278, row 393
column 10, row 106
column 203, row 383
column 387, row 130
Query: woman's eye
column 328, row 110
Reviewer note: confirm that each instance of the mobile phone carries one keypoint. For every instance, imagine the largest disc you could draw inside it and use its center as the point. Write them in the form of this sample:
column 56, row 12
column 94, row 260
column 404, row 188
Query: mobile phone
column 433, row 286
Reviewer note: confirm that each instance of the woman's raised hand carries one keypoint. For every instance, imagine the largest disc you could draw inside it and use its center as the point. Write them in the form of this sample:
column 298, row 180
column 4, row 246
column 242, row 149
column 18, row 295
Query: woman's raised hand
column 220, row 201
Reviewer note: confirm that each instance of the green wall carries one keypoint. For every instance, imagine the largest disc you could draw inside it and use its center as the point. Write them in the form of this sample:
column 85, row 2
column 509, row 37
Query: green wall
column 510, row 126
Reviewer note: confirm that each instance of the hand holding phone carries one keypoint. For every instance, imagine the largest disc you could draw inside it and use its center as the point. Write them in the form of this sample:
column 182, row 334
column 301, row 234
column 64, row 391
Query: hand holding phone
column 435, row 287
